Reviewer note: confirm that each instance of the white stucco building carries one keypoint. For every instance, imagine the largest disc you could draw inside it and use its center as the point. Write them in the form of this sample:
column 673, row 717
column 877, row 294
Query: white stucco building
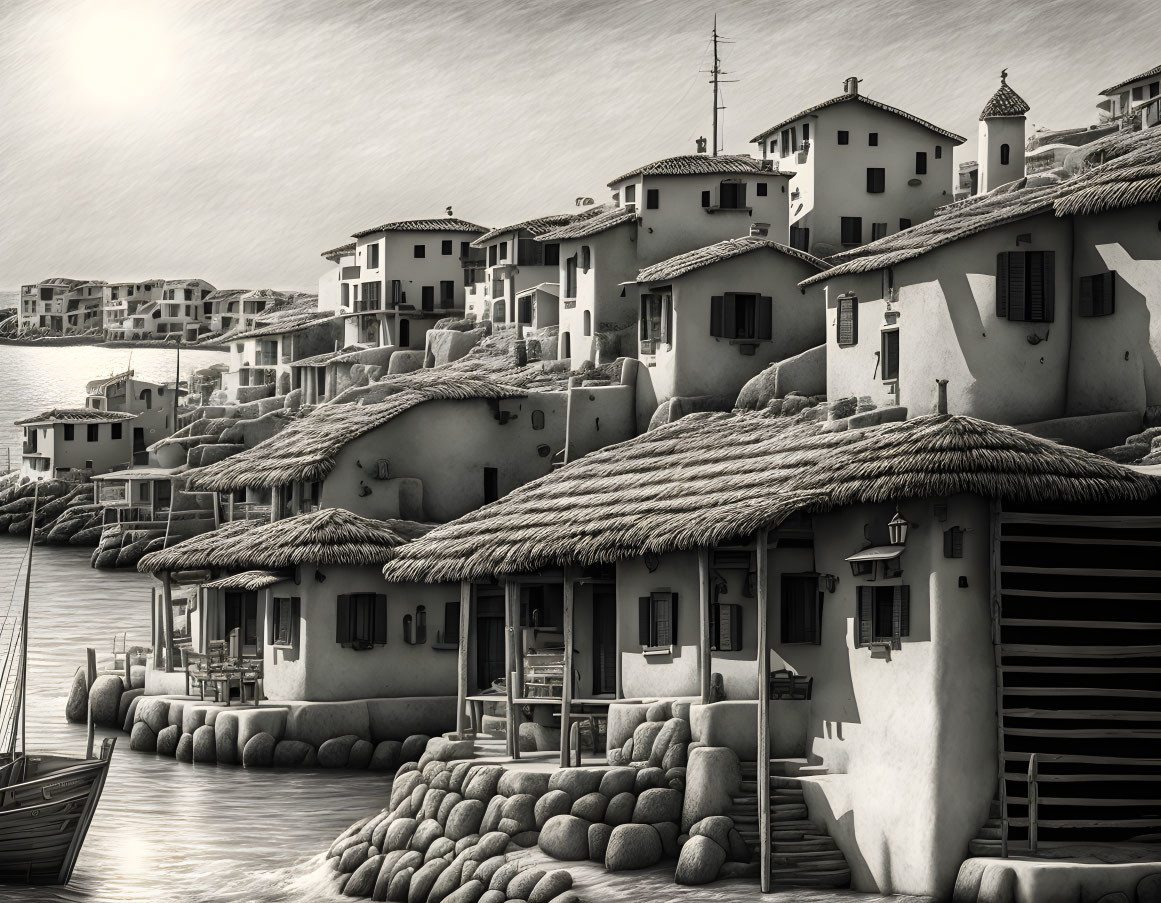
column 1001, row 149
column 1134, row 99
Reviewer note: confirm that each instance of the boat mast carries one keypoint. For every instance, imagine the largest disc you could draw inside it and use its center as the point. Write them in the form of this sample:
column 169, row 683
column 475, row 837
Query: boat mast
column 24, row 628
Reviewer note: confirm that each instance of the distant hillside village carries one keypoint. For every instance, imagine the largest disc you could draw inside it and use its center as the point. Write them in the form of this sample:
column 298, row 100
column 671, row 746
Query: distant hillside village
column 765, row 490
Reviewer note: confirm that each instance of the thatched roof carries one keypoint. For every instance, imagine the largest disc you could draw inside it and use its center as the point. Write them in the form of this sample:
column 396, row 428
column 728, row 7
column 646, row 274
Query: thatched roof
column 75, row 415
column 1156, row 70
column 716, row 253
column 341, row 251
column 1129, row 175
column 1004, row 103
column 96, row 386
column 591, row 225
column 858, row 98
column 537, row 226
column 703, row 165
column 327, row 536
column 711, row 478
column 447, row 224
column 249, row 581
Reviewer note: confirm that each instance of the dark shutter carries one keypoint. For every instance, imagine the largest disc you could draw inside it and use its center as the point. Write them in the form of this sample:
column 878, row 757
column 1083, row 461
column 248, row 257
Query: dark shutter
column 451, row 622
column 1108, row 296
column 765, row 317
column 866, row 615
column 295, row 619
column 741, row 195
column 900, row 615
column 1084, row 296
column 1017, row 279
column 645, row 317
column 705, row 198
column 848, row 321
column 272, row 622
column 953, row 543
column 645, row 619
column 730, row 317
column 1002, row 285
column 673, row 619
column 379, row 620
column 667, row 304
column 1048, row 274
column 717, row 317
column 343, row 620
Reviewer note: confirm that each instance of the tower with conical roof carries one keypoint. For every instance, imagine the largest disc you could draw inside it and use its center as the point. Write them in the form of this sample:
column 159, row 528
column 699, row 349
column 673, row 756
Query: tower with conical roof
column 1002, row 137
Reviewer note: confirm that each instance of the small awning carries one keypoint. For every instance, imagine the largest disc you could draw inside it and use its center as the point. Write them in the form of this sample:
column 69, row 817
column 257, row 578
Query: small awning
column 248, row 580
column 877, row 553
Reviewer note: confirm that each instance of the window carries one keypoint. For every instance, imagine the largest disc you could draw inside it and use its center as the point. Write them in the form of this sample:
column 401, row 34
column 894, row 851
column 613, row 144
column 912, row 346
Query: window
column 801, row 609
column 524, row 310
column 361, row 620
column 705, row 199
column 491, row 484
column 873, row 139
column 889, row 356
column 652, row 199
column 188, row 293
column 588, row 323
column 761, row 188
column 1026, row 286
column 493, row 255
column 657, row 319
column 732, row 195
column 503, row 250
column 773, row 145
column 427, row 296
column 904, row 223
column 552, row 255
column 586, row 258
column 529, row 252
column 405, row 333
column 538, row 420
column 1139, row 92
column 725, row 627
column 115, row 431
column 447, row 292
column 847, row 332
column 566, row 346
column 630, row 194
column 284, row 617
column 345, row 294
column 570, row 277
column 69, row 432
column 1154, row 88
column 805, row 132
column 953, row 543
column 884, row 615
column 446, row 247
column 844, row 137
column 939, row 152
column 741, row 316
column 920, row 163
column 373, row 255
column 1096, row 295
column 878, row 230
column 92, row 432
column 876, row 179
column 420, row 251
column 799, row 238
column 451, row 624
column 657, row 619
column 852, row 230
column 1005, row 154
column 370, row 297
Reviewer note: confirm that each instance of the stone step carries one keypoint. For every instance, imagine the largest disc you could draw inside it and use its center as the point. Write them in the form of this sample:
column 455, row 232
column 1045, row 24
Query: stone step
column 787, row 767
column 814, row 856
column 800, row 879
column 787, row 836
column 748, row 787
column 779, row 794
column 788, row 812
column 984, row 848
column 987, row 833
column 746, row 820
column 751, row 801
column 817, row 844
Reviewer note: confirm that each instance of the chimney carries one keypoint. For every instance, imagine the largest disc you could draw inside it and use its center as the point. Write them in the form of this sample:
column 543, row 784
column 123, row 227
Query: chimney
column 851, row 85
column 701, row 145
column 759, row 230
column 941, row 396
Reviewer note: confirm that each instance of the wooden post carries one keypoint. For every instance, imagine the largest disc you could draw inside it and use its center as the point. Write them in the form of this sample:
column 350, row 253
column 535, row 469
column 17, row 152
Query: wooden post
column 704, row 661
column 763, row 716
column 1033, row 802
column 167, row 620
column 90, row 677
column 462, row 679
column 128, row 667
column 566, row 687
column 154, row 629
column 998, row 657
column 510, row 595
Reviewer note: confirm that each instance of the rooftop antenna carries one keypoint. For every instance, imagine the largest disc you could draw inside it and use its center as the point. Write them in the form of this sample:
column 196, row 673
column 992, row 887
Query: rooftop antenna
column 716, row 80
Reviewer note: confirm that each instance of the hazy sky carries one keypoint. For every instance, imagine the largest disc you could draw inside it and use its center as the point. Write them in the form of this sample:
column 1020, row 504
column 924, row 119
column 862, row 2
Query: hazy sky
column 236, row 139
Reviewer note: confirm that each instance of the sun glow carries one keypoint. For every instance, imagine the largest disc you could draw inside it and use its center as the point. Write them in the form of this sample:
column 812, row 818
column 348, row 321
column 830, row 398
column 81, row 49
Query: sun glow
column 119, row 53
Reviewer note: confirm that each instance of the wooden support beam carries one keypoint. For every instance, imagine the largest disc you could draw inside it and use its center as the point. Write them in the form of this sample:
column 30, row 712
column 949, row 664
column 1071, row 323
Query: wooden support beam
column 764, row 813
column 1078, row 668
column 90, row 677
column 1091, row 823
column 1084, row 760
column 1114, row 521
column 1035, row 650
column 462, row 660
column 1082, row 691
column 155, row 628
column 1082, row 594
column 996, row 515
column 511, row 625
column 1033, row 802
column 1077, row 572
column 1082, row 714
column 1083, row 541
column 1063, row 733
column 167, row 619
column 1084, row 625
column 566, row 688
column 704, row 661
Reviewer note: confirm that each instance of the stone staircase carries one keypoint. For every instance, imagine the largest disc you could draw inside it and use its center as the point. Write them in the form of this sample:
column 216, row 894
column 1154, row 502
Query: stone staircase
column 804, row 854
column 987, row 842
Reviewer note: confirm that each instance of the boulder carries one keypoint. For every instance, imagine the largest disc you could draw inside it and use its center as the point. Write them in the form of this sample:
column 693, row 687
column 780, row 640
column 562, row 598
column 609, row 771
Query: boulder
column 576, row 782
column 362, row 882
column 427, row 831
column 632, row 847
column 668, row 831
column 711, row 779
column 154, row 711
column 334, row 752
column 367, row 832
column 521, row 886
column 493, row 896
column 487, row 869
column 204, row 747
column 717, row 828
column 131, row 713
column 520, row 810
column 617, row 780
column 674, row 732
column 226, row 738
column 344, row 843
column 127, row 700
column 648, row 778
column 656, row 805
column 503, row 876
column 449, row 879
column 739, row 850
column 489, row 845
column 291, row 753
column 1149, row 889
column 565, row 837
column 468, row 892
column 643, row 738
column 526, row 839
column 675, row 756
column 259, row 751
column 444, row 750
column 599, row 841
column 414, row 747
column 408, row 860
column 514, row 783
column 458, row 774
column 402, row 785
column 398, row 836
column 442, row 781
column 699, row 861
column 659, row 711
column 447, row 805
column 467, row 843
column 400, row 885
column 184, row 751
column 424, row 880
column 143, row 738
column 386, row 756
column 167, row 740
column 591, row 807
column 555, row 802
column 441, row 848
column 620, row 809
column 383, row 881
column 432, row 803
column 77, row 705
column 482, row 783
column 493, row 815
column 418, row 793
column 354, row 857
column 104, row 699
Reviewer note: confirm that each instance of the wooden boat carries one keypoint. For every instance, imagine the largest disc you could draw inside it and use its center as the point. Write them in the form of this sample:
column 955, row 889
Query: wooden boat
column 46, row 801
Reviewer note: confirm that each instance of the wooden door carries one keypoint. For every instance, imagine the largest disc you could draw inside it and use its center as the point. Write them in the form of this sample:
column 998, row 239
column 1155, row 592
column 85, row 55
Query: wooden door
column 604, row 641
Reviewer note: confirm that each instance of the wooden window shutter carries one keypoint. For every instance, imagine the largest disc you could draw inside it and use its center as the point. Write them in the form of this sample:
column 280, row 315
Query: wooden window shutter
column 1002, row 285
column 668, row 321
column 379, row 620
column 866, row 615
column 765, row 317
column 343, row 620
column 729, row 628
column 295, row 618
column 813, row 613
column 451, row 622
column 1084, row 296
column 645, row 316
column 900, row 615
column 673, row 619
column 272, row 622
column 1017, row 281
column 741, row 194
column 645, row 620
column 662, row 619
column 730, row 317
column 953, row 543
column 1048, row 275
column 717, row 317
column 705, row 198
column 848, row 321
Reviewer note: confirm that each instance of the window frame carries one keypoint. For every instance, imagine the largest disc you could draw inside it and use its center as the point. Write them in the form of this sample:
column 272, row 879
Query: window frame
column 724, row 314
column 852, row 304
column 810, row 627
column 284, row 635
column 726, row 621
column 1016, row 283
column 885, row 338
column 876, row 179
column 372, row 255
column 1096, row 295
column 419, row 251
column 657, row 633
column 652, row 199
column 872, row 139
column 870, row 603
column 359, row 611
column 844, row 137
column 855, row 223
column 447, row 247
column 93, row 432
column 921, row 163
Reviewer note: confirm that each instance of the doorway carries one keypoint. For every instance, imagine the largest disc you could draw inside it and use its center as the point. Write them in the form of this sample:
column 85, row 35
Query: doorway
column 604, row 641
column 489, row 637
column 241, row 613
column 140, row 454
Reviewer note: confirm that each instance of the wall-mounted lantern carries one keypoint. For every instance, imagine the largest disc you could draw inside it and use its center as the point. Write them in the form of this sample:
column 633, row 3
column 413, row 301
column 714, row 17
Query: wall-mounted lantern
column 897, row 529
column 415, row 628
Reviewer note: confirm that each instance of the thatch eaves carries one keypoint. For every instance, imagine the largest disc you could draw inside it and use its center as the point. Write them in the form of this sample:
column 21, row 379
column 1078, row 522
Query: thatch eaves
column 447, row 224
column 74, row 415
column 341, row 251
column 330, row 536
column 716, row 253
column 859, row 98
column 703, row 165
column 711, row 478
column 583, row 227
column 537, row 226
